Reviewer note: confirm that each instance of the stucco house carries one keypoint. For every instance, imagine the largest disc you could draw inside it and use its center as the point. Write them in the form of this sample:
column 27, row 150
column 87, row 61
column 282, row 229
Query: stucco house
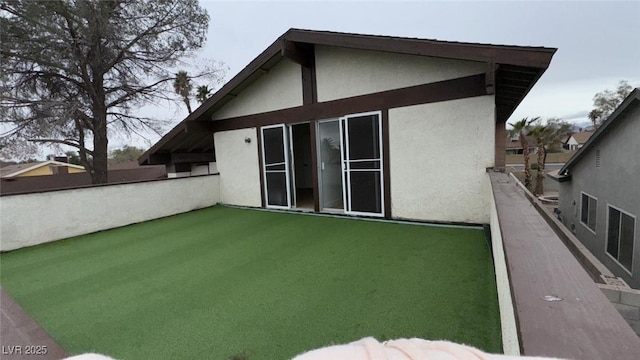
column 577, row 140
column 514, row 147
column 600, row 191
column 359, row 125
column 49, row 167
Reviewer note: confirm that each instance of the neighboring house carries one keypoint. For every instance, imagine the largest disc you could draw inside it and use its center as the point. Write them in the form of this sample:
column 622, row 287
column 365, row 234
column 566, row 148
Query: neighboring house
column 577, row 140
column 600, row 191
column 49, row 167
column 359, row 125
column 122, row 173
column 514, row 147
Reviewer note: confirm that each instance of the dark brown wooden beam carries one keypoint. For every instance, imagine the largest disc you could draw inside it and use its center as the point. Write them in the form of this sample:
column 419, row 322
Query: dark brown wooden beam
column 309, row 87
column 500, row 145
column 159, row 158
column 198, row 126
column 313, row 125
column 192, row 157
column 490, row 78
column 297, row 52
column 459, row 88
column 386, row 171
column 260, row 168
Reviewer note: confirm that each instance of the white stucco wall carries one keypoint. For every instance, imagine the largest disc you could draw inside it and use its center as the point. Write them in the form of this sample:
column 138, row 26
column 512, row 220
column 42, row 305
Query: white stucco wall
column 280, row 88
column 438, row 158
column 342, row 72
column 39, row 218
column 239, row 167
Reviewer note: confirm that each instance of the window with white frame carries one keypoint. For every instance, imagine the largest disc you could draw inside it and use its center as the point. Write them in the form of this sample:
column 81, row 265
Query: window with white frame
column 588, row 206
column 620, row 236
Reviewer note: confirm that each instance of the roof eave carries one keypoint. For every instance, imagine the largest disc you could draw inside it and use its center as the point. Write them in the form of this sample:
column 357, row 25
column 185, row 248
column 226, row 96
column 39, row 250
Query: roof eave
column 632, row 98
column 535, row 57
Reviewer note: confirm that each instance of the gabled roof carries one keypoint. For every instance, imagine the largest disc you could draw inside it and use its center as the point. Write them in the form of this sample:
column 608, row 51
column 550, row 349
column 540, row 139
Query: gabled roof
column 10, row 169
column 632, row 101
column 17, row 169
column 516, row 70
column 582, row 137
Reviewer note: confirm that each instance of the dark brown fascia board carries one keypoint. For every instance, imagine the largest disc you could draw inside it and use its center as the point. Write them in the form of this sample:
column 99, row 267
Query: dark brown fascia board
column 539, row 57
column 633, row 99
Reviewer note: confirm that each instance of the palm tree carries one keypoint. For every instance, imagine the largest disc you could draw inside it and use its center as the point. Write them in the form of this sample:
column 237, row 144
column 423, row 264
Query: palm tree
column 547, row 136
column 521, row 127
column 541, row 134
column 202, row 93
column 182, row 86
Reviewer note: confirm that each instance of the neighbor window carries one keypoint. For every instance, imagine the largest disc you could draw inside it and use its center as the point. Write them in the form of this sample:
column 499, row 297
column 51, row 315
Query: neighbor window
column 620, row 237
column 588, row 212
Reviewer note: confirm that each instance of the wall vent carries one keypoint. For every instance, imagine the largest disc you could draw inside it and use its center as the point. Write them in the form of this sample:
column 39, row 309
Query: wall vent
column 598, row 158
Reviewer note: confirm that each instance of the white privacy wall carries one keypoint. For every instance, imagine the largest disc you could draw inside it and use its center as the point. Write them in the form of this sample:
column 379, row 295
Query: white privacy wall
column 39, row 218
column 280, row 88
column 343, row 72
column 238, row 166
column 510, row 343
column 438, row 158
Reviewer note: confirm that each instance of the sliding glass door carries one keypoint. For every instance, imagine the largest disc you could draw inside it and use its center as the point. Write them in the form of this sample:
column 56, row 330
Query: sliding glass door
column 349, row 165
column 361, row 137
column 275, row 159
column 330, row 165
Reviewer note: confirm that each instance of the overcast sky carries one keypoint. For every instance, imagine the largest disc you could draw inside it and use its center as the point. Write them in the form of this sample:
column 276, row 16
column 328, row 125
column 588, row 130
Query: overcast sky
column 598, row 42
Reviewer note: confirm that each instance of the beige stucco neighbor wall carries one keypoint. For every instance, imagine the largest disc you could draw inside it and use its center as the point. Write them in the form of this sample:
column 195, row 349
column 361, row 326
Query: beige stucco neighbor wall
column 238, row 165
column 280, row 88
column 38, row 218
column 342, row 72
column 438, row 158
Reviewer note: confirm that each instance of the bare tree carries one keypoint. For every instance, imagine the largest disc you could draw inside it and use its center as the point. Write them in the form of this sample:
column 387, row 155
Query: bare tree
column 605, row 102
column 74, row 71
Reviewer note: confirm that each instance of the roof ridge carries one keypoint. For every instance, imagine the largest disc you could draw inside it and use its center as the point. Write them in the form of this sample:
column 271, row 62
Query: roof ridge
column 527, row 47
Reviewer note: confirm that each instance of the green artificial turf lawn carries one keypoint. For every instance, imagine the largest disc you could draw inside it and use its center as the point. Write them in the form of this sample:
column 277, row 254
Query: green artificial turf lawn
column 224, row 281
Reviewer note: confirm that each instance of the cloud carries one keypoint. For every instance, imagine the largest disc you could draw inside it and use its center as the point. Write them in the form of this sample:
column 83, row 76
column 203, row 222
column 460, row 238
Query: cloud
column 576, row 115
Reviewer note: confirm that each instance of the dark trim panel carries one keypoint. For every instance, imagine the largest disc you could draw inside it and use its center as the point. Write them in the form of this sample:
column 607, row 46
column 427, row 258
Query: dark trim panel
column 314, row 169
column 500, row 155
column 460, row 88
column 261, row 165
column 386, row 172
column 192, row 157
